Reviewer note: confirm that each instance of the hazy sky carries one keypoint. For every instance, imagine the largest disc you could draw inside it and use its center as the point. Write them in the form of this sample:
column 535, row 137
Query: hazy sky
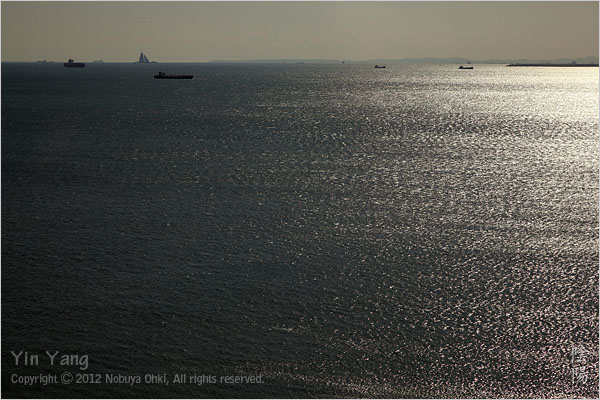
column 203, row 31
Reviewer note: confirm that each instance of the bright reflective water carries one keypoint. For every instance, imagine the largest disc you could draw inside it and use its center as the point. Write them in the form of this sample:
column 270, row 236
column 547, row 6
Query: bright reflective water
column 417, row 231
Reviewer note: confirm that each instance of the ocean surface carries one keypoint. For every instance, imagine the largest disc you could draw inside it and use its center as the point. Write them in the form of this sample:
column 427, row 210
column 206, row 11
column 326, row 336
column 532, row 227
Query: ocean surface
column 330, row 230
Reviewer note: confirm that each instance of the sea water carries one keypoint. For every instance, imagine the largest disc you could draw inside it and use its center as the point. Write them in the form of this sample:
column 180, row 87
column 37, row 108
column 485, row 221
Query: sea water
column 336, row 230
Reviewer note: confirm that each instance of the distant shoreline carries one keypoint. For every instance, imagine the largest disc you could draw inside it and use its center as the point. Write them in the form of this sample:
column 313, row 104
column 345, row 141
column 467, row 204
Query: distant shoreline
column 552, row 65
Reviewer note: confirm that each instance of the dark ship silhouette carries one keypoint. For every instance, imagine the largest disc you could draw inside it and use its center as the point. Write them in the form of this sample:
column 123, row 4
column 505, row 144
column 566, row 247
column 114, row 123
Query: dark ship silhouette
column 162, row 75
column 71, row 64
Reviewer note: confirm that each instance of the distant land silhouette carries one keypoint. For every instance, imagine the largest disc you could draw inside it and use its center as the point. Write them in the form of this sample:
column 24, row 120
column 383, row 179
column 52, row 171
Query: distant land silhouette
column 426, row 60
column 573, row 64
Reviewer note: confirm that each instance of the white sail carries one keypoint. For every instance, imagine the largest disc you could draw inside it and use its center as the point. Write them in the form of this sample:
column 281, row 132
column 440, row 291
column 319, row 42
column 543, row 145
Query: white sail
column 146, row 58
column 141, row 57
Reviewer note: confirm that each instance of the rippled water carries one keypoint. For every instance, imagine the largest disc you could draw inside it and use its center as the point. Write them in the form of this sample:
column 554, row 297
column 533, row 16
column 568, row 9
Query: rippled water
column 417, row 231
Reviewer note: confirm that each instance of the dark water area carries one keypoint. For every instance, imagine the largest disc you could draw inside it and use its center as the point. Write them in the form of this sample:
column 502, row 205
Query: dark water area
column 337, row 230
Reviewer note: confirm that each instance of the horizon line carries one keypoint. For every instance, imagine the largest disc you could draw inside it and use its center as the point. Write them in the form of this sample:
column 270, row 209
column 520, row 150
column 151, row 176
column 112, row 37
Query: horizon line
column 424, row 60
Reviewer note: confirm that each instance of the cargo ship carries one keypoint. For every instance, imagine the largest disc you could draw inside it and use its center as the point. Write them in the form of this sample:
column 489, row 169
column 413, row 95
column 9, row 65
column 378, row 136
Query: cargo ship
column 162, row 75
column 71, row 64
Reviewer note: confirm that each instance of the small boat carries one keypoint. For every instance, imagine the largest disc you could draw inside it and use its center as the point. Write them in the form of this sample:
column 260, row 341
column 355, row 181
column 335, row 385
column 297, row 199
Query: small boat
column 462, row 67
column 162, row 75
column 379, row 66
column 71, row 64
